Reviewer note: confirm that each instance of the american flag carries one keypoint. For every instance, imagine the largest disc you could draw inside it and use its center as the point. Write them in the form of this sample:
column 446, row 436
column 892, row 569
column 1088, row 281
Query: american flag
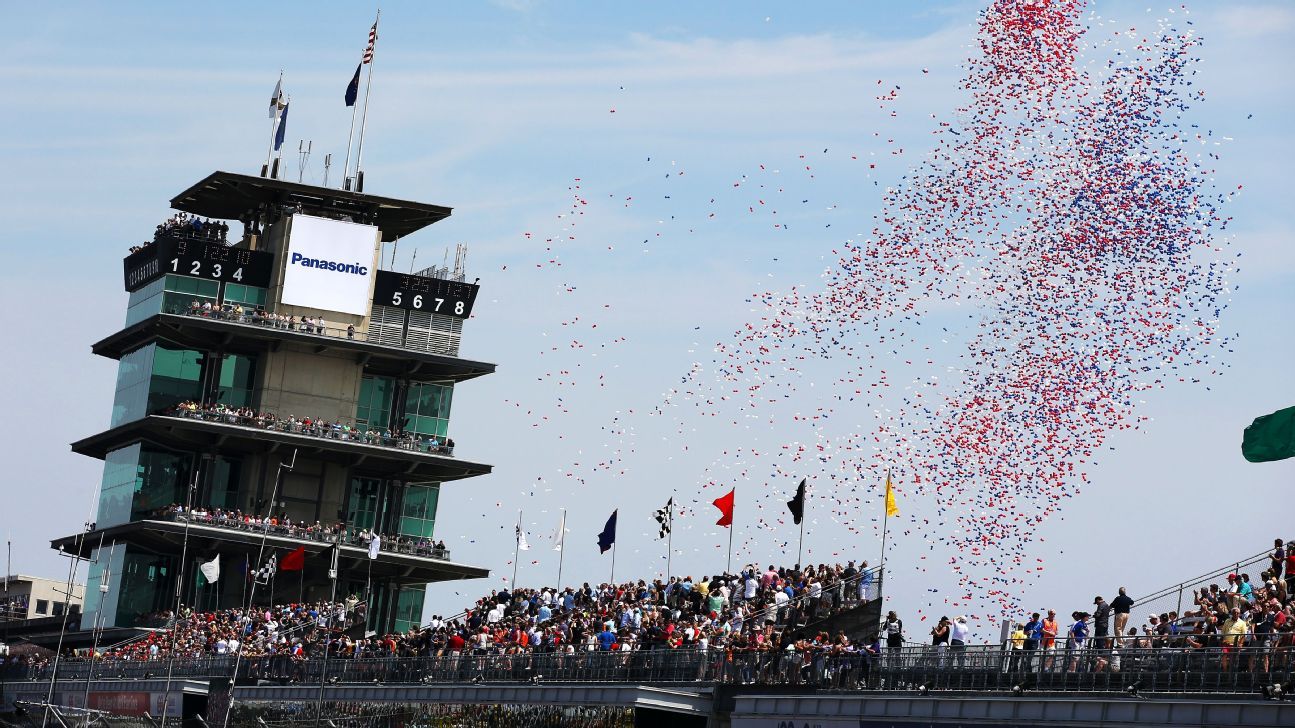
column 373, row 39
column 665, row 518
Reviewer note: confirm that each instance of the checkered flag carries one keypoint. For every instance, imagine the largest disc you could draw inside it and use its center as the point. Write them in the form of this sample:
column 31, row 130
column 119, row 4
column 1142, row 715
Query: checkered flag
column 665, row 518
column 265, row 573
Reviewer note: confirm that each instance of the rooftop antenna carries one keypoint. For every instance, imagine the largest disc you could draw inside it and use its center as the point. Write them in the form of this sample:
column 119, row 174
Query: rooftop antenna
column 303, row 156
column 328, row 162
column 460, row 261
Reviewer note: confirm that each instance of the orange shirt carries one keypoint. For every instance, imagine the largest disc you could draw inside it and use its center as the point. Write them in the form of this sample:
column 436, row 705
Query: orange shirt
column 1049, row 632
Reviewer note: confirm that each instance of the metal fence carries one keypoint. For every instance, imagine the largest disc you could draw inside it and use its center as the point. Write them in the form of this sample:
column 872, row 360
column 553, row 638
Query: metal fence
column 361, row 434
column 350, row 537
column 972, row 669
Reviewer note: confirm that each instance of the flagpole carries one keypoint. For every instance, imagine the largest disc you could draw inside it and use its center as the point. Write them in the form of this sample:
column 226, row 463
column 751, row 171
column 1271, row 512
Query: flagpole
column 800, row 550
column 274, row 122
column 729, row 569
column 350, row 140
column 881, row 567
column 517, row 550
column 328, row 638
column 613, row 575
column 279, row 161
column 732, row 527
column 562, row 546
column 179, row 585
column 669, row 539
column 368, row 86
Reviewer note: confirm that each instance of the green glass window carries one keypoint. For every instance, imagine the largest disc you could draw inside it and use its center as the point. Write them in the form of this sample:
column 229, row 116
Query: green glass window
column 117, row 486
column 238, row 381
column 374, row 406
column 134, row 371
column 182, row 291
column 418, row 514
column 409, row 608
column 144, row 302
column 362, row 505
column 138, row 481
column 246, row 295
column 427, row 405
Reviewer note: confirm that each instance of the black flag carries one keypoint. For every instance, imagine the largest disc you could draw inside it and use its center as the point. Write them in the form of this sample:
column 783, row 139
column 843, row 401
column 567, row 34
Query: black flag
column 797, row 505
column 353, row 88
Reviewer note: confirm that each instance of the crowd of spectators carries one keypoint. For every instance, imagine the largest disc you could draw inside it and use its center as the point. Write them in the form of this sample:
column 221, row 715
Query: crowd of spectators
column 1245, row 626
column 313, row 427
column 234, row 311
column 186, row 226
column 282, row 525
column 756, row 609
column 1252, row 620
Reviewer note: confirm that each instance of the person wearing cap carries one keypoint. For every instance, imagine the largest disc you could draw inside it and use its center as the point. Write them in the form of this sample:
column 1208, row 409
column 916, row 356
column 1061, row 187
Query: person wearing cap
column 1233, row 593
column 1101, row 622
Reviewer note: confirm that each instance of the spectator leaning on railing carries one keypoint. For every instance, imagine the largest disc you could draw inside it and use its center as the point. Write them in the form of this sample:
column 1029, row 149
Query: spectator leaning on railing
column 247, row 417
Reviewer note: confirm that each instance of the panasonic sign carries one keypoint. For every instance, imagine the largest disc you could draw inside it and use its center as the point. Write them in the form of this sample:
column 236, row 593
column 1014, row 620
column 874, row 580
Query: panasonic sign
column 329, row 265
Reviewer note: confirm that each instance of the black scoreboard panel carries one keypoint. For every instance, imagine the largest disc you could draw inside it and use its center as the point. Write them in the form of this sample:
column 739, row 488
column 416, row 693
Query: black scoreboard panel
column 198, row 259
column 420, row 293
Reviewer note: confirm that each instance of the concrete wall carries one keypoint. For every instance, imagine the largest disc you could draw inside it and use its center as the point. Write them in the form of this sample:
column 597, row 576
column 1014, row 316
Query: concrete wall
column 1005, row 711
column 308, row 384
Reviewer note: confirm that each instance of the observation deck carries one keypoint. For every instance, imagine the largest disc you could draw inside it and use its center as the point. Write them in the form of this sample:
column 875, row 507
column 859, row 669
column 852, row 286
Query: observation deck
column 252, row 334
column 228, row 196
column 166, row 535
column 378, row 457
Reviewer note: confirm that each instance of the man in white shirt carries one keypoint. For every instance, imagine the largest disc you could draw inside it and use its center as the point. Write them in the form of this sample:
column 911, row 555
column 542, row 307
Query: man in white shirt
column 780, row 601
column 958, row 635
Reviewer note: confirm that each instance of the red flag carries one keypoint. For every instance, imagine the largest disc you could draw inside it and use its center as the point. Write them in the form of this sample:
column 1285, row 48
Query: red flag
column 295, row 561
column 725, row 505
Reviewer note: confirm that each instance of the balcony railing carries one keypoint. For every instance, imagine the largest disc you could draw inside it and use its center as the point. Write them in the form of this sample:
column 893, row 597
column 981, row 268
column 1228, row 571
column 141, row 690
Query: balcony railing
column 393, row 545
column 979, row 669
column 362, row 434
column 259, row 316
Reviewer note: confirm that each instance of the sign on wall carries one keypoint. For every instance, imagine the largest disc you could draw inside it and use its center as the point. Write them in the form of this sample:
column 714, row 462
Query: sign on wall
column 329, row 265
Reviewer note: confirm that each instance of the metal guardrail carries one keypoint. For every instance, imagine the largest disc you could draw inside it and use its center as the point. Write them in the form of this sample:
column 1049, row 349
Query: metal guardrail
column 388, row 545
column 266, row 318
column 361, row 434
column 973, row 669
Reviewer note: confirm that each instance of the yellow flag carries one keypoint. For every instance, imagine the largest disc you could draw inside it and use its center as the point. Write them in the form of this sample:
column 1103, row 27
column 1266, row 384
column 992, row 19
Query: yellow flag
column 891, row 508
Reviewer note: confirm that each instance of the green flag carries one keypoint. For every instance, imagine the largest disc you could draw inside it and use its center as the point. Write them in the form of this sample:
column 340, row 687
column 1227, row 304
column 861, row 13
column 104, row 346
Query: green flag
column 1271, row 437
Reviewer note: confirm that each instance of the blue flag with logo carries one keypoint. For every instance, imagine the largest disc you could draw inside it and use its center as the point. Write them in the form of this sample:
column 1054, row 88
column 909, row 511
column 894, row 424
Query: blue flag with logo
column 353, row 88
column 608, row 536
column 283, row 125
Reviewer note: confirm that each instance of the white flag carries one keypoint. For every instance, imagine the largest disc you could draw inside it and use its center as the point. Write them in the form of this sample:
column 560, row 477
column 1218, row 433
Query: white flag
column 558, row 536
column 521, row 539
column 375, row 546
column 276, row 99
column 211, row 570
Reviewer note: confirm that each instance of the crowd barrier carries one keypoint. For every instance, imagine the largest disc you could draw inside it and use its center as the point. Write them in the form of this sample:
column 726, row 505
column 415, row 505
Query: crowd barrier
column 973, row 669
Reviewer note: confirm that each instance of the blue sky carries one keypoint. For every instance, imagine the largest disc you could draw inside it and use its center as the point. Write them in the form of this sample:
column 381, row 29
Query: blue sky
column 615, row 131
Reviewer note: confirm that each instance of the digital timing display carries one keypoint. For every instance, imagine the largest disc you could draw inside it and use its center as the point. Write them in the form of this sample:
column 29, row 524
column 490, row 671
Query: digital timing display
column 198, row 259
column 420, row 293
